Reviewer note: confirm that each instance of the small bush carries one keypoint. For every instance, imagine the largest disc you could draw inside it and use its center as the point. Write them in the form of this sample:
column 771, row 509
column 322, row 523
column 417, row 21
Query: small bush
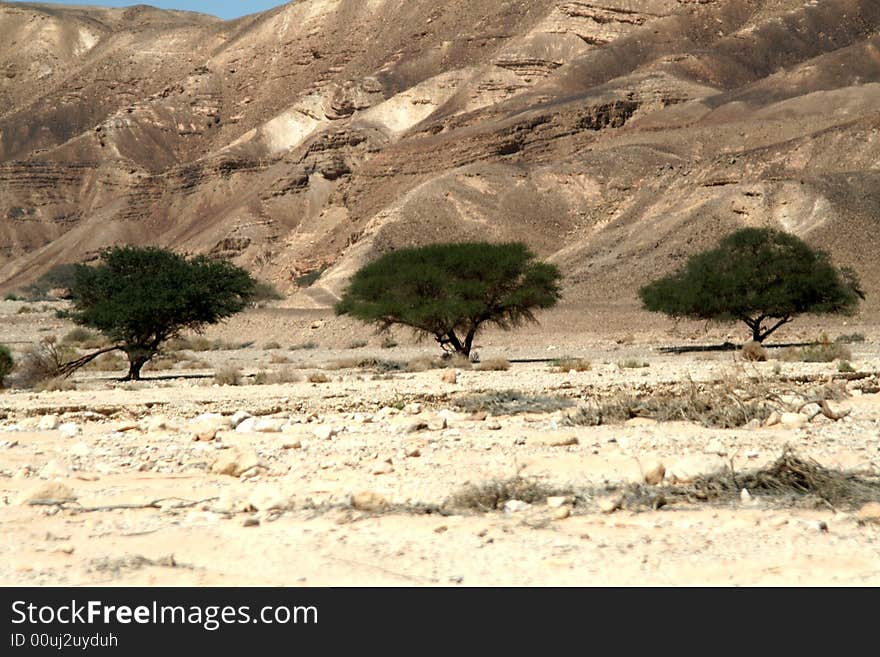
column 261, row 378
column 726, row 406
column 567, row 364
column 305, row 346
column 851, row 338
column 42, row 361
column 228, row 376
column 844, row 366
column 318, row 377
column 389, row 343
column 754, row 351
column 284, row 375
column 819, row 352
column 493, row 495
column 55, row 384
column 77, row 335
column 6, row 363
column 632, row 363
column 493, row 365
column 264, row 291
column 196, row 343
column 357, row 344
column 277, row 359
column 511, row 402
column 271, row 345
column 13, row 297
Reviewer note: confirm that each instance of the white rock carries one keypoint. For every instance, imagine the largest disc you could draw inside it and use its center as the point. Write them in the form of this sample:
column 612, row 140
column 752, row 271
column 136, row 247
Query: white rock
column 69, row 429
column 54, row 469
column 555, row 502
column 80, row 449
column 268, row 425
column 383, row 467
column 247, row 425
column 772, row 420
column 792, row 419
column 48, row 423
column 610, row 504
column 689, row 468
column 236, row 461
column 744, row 496
column 324, row 432
column 515, row 506
column 238, row 417
column 715, row 446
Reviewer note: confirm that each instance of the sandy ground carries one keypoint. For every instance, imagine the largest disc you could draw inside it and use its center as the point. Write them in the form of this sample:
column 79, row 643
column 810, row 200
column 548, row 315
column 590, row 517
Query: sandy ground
column 348, row 481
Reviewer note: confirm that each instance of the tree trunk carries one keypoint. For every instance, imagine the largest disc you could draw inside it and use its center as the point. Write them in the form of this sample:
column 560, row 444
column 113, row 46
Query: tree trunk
column 756, row 333
column 135, row 362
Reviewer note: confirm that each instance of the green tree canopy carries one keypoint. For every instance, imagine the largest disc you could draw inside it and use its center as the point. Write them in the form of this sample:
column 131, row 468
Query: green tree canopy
column 760, row 276
column 141, row 297
column 449, row 291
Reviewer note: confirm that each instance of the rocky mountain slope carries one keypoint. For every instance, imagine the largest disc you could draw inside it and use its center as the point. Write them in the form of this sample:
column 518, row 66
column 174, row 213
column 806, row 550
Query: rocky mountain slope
column 615, row 136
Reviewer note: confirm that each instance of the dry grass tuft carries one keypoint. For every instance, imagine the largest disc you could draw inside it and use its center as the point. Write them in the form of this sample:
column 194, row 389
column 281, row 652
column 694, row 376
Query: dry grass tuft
column 318, row 377
column 228, row 376
column 511, row 402
column 493, row 495
column 754, row 351
column 819, row 352
column 567, row 364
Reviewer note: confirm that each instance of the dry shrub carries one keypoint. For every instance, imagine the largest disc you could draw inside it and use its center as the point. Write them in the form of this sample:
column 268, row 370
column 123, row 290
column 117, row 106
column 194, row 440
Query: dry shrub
column 42, row 362
column 271, row 345
column 357, row 344
column 511, row 402
column 754, row 351
column 284, row 375
column 195, row 343
column 318, row 377
column 78, row 335
column 493, row 495
column 110, row 362
column 389, row 343
column 305, row 346
column 788, row 480
column 568, row 364
column 228, row 376
column 819, row 352
column 493, row 365
column 726, row 405
column 277, row 359
column 632, row 363
column 55, row 384
column 425, row 363
column 851, row 338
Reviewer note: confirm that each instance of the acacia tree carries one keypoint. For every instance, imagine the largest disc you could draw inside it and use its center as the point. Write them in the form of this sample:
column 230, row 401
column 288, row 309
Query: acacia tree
column 760, row 276
column 141, row 297
column 449, row 291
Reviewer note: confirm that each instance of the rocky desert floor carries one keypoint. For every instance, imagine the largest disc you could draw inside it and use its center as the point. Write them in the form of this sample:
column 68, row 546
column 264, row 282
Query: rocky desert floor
column 335, row 462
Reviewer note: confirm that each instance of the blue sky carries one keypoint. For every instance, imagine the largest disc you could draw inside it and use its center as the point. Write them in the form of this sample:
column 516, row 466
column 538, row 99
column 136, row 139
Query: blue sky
column 221, row 8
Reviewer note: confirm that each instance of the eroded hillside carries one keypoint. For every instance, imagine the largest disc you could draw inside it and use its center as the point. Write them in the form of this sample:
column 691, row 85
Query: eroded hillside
column 616, row 137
